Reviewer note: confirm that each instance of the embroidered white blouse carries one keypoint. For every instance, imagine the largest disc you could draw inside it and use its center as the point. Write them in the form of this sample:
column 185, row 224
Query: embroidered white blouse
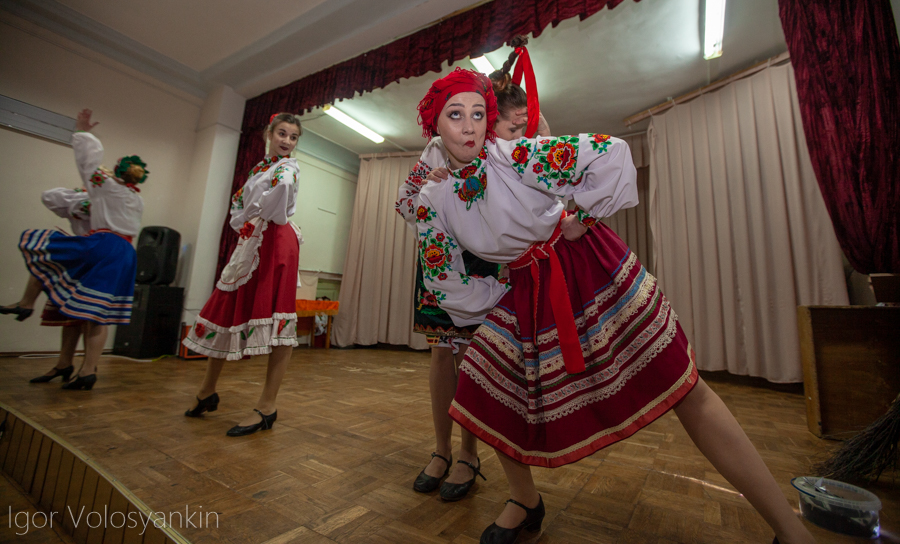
column 270, row 192
column 114, row 206
column 504, row 201
column 73, row 204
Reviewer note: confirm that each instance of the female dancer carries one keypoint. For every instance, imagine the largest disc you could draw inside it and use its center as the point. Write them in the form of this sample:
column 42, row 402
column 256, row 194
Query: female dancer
column 449, row 342
column 89, row 278
column 252, row 309
column 582, row 350
column 74, row 205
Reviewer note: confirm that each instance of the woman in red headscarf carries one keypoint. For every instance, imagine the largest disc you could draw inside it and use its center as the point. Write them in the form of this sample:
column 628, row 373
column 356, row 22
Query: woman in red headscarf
column 581, row 349
column 449, row 342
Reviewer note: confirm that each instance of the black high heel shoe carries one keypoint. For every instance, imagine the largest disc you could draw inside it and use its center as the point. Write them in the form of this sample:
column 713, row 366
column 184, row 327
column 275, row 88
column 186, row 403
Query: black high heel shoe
column 265, row 424
column 64, row 372
column 209, row 404
column 21, row 313
column 534, row 517
column 81, row 382
column 454, row 492
column 425, row 483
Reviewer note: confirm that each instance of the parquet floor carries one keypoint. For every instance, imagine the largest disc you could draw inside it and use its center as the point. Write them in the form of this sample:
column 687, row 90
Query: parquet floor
column 354, row 429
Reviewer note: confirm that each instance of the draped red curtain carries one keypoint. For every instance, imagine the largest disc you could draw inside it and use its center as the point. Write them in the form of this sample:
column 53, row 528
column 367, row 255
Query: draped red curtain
column 846, row 61
column 472, row 33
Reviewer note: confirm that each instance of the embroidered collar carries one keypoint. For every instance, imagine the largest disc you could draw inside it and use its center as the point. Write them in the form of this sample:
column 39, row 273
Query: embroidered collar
column 471, row 180
column 264, row 165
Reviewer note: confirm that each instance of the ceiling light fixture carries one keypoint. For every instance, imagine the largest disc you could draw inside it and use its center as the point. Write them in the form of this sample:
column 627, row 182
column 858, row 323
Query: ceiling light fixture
column 482, row 64
column 353, row 123
column 715, row 29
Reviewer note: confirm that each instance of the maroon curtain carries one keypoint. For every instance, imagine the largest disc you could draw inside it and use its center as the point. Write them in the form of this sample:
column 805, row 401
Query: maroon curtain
column 846, row 60
column 471, row 33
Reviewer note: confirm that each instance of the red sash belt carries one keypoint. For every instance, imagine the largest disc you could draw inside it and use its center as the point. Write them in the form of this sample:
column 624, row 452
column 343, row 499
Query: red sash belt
column 128, row 239
column 569, row 343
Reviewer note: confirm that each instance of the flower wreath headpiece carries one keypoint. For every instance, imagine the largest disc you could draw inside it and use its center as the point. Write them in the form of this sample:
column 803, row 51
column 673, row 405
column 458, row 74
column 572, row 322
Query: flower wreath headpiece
column 135, row 165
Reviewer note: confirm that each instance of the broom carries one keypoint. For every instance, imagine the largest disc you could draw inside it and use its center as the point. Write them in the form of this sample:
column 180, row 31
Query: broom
column 867, row 455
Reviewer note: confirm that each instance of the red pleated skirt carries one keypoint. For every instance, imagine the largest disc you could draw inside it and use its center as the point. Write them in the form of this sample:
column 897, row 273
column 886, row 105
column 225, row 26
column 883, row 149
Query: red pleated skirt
column 514, row 390
column 259, row 314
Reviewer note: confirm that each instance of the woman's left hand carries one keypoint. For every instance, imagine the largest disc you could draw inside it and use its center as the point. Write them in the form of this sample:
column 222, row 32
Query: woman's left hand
column 571, row 227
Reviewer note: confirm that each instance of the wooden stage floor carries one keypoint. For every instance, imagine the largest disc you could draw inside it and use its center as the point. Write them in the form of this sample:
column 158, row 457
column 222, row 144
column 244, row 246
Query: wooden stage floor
column 354, row 428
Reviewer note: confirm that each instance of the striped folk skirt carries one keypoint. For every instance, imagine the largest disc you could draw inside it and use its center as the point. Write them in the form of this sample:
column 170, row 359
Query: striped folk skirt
column 515, row 392
column 86, row 277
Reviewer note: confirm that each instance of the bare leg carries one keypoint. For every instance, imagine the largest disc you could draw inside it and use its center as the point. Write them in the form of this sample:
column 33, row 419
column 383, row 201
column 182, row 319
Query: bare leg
column 94, row 340
column 32, row 290
column 442, row 383
column 69, row 344
column 521, row 489
column 278, row 363
column 468, row 450
column 208, row 386
column 720, row 438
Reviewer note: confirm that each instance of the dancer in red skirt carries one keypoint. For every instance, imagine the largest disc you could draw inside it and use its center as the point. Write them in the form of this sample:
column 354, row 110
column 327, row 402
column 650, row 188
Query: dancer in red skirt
column 581, row 349
column 252, row 309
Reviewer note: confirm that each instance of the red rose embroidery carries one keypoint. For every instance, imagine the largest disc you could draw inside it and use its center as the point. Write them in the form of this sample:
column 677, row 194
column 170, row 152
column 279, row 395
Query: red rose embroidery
column 247, row 230
column 439, row 237
column 520, row 154
column 467, row 171
column 199, row 330
column 429, row 300
column 560, row 183
column 442, row 276
column 589, row 222
column 600, row 138
column 561, row 157
column 281, row 325
column 483, row 154
column 422, row 213
column 434, row 256
column 538, row 168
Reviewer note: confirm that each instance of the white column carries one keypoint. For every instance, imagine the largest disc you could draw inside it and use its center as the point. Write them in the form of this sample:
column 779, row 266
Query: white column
column 209, row 192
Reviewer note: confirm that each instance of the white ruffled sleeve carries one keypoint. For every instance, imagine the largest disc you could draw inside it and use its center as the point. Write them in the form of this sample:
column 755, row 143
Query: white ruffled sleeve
column 88, row 155
column 275, row 202
column 595, row 169
column 467, row 299
column 434, row 156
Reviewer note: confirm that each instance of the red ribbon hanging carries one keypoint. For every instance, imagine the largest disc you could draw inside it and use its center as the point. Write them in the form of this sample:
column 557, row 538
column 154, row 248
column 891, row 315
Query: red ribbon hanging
column 523, row 66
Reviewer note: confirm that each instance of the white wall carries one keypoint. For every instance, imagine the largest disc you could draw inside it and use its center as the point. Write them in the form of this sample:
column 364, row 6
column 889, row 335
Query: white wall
column 136, row 117
column 324, row 208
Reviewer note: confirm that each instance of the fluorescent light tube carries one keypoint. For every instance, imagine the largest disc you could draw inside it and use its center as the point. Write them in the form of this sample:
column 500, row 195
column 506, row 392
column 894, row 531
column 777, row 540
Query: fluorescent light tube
column 482, row 64
column 353, row 123
column 715, row 29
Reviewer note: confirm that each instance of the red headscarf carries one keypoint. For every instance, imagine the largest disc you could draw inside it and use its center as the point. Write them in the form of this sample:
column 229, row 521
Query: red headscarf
column 458, row 81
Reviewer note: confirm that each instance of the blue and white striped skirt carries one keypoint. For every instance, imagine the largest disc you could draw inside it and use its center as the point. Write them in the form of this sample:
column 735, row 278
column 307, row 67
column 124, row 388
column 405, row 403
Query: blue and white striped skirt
column 87, row 277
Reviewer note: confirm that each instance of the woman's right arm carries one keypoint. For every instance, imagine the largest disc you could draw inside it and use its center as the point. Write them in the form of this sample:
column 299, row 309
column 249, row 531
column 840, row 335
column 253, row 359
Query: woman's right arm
column 88, row 155
column 434, row 156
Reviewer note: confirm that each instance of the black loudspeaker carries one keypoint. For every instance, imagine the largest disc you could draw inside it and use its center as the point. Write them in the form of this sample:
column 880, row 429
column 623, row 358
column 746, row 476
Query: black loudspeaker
column 157, row 255
column 155, row 323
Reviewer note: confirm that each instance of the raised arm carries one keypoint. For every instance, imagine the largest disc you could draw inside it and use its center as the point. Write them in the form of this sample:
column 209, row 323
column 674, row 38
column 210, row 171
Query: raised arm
column 465, row 298
column 595, row 169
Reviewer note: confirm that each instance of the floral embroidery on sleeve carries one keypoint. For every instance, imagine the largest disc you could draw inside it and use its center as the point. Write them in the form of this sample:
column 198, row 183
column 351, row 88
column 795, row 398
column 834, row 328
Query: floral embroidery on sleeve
column 279, row 175
column 434, row 251
column 599, row 142
column 423, row 214
column 237, row 201
column 557, row 159
column 264, row 165
column 413, row 184
column 585, row 218
column 86, row 208
column 97, row 178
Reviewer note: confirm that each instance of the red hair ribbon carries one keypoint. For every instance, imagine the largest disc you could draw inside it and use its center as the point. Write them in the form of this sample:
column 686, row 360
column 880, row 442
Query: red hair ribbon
column 523, row 65
column 274, row 115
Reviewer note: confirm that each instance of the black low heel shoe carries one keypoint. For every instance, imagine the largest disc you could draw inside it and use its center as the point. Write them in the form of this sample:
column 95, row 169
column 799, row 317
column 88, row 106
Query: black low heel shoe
column 265, row 424
column 21, row 313
column 425, row 483
column 534, row 517
column 64, row 372
column 209, row 404
column 81, row 382
column 454, row 492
